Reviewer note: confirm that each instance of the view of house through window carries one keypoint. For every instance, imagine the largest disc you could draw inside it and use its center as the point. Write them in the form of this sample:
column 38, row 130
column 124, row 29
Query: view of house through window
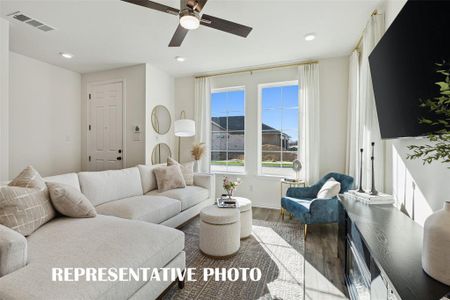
column 227, row 130
column 279, row 128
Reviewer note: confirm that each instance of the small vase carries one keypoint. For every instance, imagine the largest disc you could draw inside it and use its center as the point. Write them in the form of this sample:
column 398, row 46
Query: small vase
column 196, row 166
column 436, row 244
column 230, row 194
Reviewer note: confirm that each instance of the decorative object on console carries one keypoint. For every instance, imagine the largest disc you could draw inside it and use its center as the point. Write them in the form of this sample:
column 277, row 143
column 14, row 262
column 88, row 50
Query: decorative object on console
column 198, row 150
column 373, row 190
column 360, row 189
column 297, row 167
column 369, row 199
column 183, row 128
column 230, row 186
column 436, row 244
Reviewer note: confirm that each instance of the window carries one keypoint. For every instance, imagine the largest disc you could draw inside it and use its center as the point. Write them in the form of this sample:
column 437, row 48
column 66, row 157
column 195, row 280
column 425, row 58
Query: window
column 227, row 130
column 279, row 128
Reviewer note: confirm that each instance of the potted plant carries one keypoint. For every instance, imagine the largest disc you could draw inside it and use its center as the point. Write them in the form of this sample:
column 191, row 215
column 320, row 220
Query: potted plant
column 436, row 235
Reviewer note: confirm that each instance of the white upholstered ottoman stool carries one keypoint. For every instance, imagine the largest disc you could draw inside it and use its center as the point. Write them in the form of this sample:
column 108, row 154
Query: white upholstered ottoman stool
column 245, row 207
column 220, row 231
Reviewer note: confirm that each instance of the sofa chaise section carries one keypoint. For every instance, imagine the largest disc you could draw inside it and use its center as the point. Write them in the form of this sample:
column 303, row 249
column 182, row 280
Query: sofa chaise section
column 103, row 241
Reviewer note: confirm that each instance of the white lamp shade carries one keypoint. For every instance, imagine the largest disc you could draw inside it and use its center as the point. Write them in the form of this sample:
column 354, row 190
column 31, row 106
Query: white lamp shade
column 184, row 128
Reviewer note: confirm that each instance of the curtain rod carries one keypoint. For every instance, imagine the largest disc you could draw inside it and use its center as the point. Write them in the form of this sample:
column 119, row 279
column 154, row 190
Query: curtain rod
column 358, row 44
column 258, row 69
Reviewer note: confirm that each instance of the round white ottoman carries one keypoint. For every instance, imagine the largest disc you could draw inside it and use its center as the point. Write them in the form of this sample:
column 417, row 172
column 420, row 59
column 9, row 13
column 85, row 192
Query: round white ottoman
column 245, row 207
column 219, row 231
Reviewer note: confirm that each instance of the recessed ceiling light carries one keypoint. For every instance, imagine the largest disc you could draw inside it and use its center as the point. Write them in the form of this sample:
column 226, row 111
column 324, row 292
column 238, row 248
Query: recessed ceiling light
column 180, row 58
column 66, row 55
column 310, row 37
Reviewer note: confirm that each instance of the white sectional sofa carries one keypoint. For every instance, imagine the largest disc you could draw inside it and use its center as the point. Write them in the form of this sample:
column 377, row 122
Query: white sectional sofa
column 132, row 229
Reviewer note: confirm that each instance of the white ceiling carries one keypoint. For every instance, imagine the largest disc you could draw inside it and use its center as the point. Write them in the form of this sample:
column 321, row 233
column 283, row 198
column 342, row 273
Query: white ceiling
column 105, row 34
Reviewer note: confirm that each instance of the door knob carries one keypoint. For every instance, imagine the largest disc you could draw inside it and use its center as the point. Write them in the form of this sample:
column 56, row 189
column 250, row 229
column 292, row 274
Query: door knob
column 119, row 158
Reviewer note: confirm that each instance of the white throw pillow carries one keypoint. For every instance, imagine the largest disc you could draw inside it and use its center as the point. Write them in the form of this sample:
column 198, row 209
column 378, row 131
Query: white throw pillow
column 330, row 189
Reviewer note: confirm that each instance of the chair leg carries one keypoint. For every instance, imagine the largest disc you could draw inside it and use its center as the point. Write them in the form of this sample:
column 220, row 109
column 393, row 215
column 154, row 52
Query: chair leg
column 290, row 216
column 305, row 230
column 282, row 210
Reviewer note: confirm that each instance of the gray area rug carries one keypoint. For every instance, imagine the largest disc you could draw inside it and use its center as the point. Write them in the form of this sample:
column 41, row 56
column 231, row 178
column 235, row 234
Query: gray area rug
column 276, row 248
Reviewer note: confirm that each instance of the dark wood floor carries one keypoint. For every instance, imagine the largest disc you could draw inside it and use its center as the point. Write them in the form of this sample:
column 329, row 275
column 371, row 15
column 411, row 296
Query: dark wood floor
column 323, row 278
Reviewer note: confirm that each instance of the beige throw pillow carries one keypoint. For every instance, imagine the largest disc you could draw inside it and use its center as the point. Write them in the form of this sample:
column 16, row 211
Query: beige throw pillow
column 69, row 201
column 25, row 204
column 330, row 189
column 187, row 170
column 169, row 177
column 28, row 178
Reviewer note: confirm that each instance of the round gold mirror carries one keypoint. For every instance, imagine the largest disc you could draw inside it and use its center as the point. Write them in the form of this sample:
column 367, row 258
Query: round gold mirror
column 161, row 119
column 160, row 153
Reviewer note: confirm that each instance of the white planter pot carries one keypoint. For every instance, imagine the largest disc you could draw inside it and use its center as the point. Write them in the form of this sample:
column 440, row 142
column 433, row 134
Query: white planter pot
column 196, row 166
column 436, row 245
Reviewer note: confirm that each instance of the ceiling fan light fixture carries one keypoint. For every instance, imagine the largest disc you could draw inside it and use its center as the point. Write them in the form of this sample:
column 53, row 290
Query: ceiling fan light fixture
column 189, row 19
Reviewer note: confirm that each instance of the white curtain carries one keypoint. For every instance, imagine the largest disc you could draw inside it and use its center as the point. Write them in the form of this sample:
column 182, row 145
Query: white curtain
column 352, row 159
column 202, row 119
column 368, row 129
column 308, row 81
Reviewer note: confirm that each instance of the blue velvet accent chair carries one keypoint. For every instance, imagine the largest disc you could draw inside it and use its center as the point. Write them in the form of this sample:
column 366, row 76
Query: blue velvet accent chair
column 303, row 204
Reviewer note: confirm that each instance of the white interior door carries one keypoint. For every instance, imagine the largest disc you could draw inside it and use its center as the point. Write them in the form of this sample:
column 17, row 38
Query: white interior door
column 105, row 128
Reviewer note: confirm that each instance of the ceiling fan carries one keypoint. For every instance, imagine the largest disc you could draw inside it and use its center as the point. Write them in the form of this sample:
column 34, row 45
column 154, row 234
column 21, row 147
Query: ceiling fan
column 190, row 19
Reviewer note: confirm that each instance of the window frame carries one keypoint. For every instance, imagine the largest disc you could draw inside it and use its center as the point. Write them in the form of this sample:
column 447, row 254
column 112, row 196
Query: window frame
column 224, row 90
column 261, row 86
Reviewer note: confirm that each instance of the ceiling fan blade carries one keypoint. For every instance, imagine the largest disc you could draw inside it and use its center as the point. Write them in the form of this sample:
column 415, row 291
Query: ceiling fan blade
column 224, row 25
column 155, row 6
column 178, row 36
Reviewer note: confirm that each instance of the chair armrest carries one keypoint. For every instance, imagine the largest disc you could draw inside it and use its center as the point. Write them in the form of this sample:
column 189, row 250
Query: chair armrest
column 302, row 193
column 318, row 203
column 206, row 181
column 13, row 250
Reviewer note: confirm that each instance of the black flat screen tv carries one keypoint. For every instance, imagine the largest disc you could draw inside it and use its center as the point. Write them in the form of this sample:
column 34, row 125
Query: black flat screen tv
column 403, row 67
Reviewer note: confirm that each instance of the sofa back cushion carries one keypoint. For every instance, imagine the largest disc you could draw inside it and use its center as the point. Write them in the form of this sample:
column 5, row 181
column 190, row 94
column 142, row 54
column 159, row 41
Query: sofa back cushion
column 105, row 186
column 148, row 177
column 69, row 179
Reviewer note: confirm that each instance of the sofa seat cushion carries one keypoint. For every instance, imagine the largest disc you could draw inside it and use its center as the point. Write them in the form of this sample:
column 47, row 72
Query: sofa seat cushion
column 189, row 196
column 100, row 242
column 153, row 209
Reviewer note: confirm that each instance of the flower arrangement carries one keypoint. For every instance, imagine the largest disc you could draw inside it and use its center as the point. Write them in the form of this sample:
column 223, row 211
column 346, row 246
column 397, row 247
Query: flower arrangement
column 230, row 186
column 198, row 150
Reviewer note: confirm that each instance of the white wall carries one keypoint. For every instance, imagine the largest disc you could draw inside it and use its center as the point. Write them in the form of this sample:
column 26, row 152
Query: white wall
column 419, row 189
column 4, row 99
column 134, row 78
column 44, row 117
column 263, row 190
column 159, row 91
